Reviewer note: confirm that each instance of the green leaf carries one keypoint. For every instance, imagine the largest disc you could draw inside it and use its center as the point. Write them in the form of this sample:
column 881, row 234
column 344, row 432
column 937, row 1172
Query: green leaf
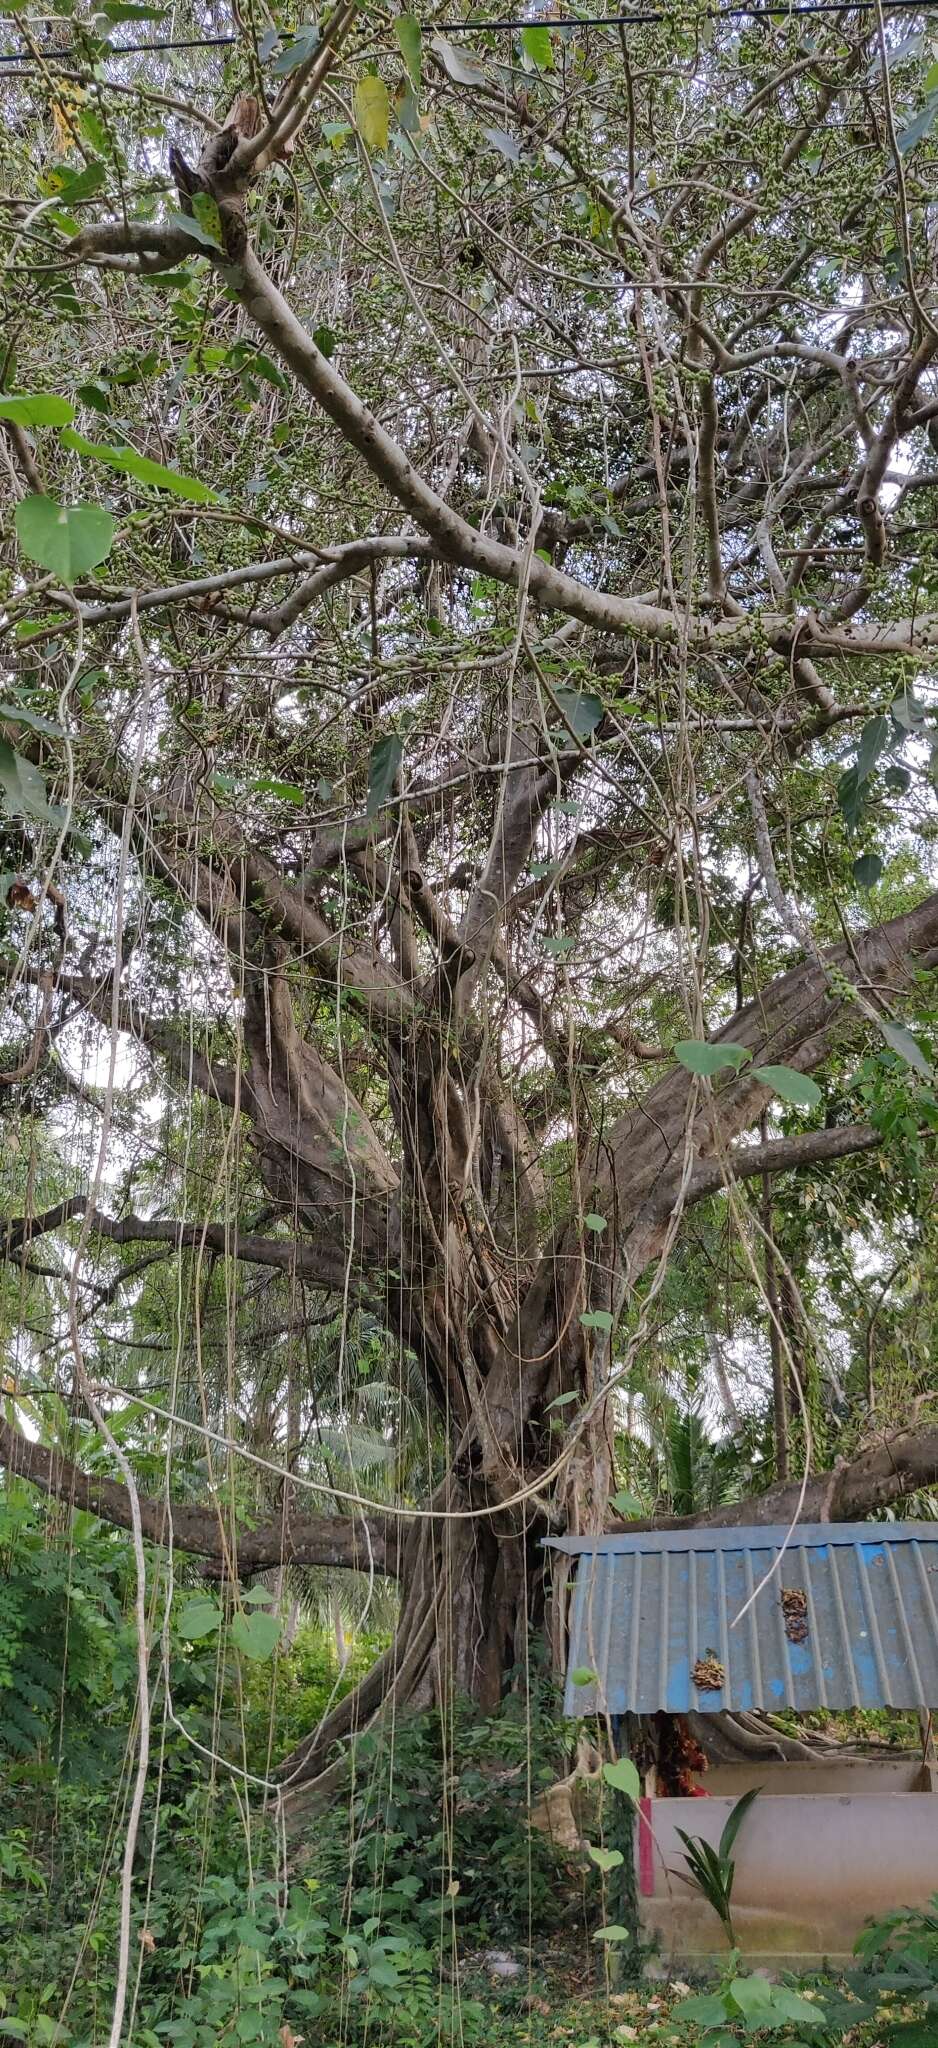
column 258, row 1596
column 901, row 1040
column 36, row 409
column 701, row 1058
column 558, row 944
column 205, row 211
column 131, row 10
column 612, row 1933
column 583, row 1676
column 68, row 540
column 706, row 2009
column 199, row 1618
column 256, row 1635
column 867, row 870
column 594, row 1222
column 627, row 1504
column 325, row 341
column 383, row 763
column 799, row 2011
column 623, row 1777
column 373, row 112
column 562, row 1400
column 535, row 42
column 596, row 1319
column 735, row 1821
column 457, row 67
column 750, row 1995
column 873, row 739
column 790, row 1085
column 582, row 710
column 920, row 126
column 129, row 463
column 288, row 792
column 851, row 797
column 189, row 225
column 410, row 40
column 605, row 1859
column 23, row 787
column 19, row 714
column 76, row 185
column 96, row 395
column 304, row 45
column 383, row 1972
column 907, row 712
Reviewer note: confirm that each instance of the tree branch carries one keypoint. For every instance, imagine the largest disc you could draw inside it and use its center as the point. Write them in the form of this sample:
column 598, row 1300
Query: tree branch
column 782, row 1155
column 453, row 537
column 21, row 1230
column 358, row 1544
column 318, row 1261
column 880, row 1474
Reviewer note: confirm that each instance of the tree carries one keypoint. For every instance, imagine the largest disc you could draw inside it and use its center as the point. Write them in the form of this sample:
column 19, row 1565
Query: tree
column 480, row 682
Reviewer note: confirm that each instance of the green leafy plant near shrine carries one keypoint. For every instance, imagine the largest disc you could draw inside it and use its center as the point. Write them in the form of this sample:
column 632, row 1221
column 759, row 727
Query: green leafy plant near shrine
column 711, row 1870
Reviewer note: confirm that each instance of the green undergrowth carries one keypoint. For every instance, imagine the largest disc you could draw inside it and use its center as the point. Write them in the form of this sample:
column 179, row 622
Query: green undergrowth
column 421, row 1907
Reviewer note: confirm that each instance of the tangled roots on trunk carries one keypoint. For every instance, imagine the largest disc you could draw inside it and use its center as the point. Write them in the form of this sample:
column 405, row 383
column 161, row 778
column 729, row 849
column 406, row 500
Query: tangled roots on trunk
column 466, row 1608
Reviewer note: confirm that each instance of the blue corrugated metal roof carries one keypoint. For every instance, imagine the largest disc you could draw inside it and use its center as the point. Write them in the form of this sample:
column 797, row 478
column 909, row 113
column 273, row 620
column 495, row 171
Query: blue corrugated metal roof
column 650, row 1608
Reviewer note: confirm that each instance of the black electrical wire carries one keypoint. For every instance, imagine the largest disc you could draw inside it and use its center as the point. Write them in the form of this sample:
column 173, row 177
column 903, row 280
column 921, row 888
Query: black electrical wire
column 634, row 19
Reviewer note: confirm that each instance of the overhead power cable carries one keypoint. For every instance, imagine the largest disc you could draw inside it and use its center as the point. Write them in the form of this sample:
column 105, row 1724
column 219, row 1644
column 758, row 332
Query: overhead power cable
column 634, row 19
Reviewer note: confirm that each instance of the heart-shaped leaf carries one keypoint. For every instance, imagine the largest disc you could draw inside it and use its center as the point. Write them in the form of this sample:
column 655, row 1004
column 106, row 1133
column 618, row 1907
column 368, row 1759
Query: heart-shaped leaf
column 373, row 112
column 605, row 1859
column 594, row 1222
column 456, row 67
column 623, row 1777
column 701, row 1058
column 581, row 709
column 199, row 1618
column 790, row 1085
column 613, row 1933
column 867, row 870
column 68, row 540
column 583, row 1676
column 596, row 1319
column 256, row 1635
